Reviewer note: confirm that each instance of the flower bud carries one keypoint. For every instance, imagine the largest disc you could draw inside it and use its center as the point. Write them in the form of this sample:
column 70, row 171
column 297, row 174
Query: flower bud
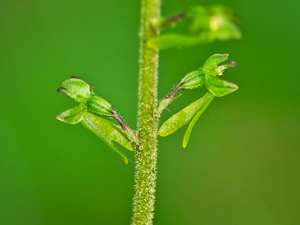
column 100, row 106
column 192, row 80
column 76, row 89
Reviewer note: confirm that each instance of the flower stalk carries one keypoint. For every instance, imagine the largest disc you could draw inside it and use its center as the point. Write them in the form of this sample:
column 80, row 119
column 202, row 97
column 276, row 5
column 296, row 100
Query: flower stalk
column 146, row 152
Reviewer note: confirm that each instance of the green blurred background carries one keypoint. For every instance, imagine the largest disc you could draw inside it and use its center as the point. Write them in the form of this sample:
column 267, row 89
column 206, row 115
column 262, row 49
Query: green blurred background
column 241, row 165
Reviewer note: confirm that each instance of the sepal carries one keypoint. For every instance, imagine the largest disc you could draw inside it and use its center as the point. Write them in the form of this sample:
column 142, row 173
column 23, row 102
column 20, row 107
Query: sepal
column 213, row 61
column 76, row 89
column 213, row 66
column 73, row 115
column 219, row 87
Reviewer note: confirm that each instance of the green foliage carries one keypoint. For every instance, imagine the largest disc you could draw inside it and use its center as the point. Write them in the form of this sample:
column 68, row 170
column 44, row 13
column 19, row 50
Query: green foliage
column 206, row 24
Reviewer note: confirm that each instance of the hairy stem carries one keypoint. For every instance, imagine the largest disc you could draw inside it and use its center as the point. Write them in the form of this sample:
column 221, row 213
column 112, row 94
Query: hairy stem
column 146, row 153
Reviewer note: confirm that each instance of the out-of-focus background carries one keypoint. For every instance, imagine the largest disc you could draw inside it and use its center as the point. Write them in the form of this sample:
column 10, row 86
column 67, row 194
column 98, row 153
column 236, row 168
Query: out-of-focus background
column 243, row 160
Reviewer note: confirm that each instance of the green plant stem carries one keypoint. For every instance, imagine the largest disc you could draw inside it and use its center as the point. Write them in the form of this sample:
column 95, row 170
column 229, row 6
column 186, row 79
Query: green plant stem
column 146, row 152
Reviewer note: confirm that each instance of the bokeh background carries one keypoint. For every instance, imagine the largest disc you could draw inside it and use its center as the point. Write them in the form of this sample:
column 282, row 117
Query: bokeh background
column 241, row 165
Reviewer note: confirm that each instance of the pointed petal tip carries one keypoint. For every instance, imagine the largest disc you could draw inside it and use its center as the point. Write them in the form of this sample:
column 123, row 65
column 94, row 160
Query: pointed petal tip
column 76, row 77
column 231, row 63
column 59, row 118
column 59, row 90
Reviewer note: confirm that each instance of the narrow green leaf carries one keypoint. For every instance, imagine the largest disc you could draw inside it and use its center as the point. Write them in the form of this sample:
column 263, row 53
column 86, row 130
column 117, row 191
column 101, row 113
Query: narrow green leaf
column 171, row 40
column 107, row 132
column 205, row 104
column 219, row 87
column 182, row 117
column 73, row 115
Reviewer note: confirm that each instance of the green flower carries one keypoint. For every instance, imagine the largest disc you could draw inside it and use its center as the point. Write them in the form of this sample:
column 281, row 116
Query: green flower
column 88, row 111
column 83, row 93
column 213, row 69
column 209, row 75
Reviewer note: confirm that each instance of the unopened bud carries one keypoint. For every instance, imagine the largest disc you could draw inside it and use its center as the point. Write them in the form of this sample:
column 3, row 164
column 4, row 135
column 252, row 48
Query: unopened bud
column 192, row 80
column 100, row 106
